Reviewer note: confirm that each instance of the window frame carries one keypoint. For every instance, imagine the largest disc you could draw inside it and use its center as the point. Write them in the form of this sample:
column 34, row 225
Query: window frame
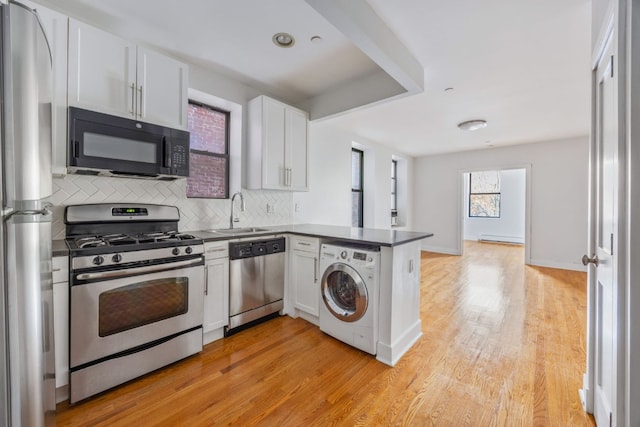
column 227, row 147
column 498, row 193
column 361, row 189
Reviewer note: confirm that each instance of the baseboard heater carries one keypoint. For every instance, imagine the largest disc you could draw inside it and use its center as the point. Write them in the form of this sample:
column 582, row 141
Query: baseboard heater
column 496, row 238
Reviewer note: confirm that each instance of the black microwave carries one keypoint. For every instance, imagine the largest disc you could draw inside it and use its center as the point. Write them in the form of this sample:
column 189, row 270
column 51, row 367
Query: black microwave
column 102, row 144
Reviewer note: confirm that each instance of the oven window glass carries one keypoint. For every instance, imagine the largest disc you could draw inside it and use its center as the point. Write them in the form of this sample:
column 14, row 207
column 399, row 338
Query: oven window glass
column 112, row 147
column 141, row 303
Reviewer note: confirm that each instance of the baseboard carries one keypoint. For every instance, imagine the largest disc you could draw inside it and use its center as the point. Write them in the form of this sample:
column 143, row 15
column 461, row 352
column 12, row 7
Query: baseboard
column 308, row 317
column 440, row 250
column 390, row 354
column 211, row 336
column 62, row 393
column 495, row 238
column 559, row 265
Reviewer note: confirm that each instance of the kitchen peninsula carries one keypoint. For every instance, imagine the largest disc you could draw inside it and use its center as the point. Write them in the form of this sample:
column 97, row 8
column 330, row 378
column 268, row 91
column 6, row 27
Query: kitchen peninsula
column 399, row 324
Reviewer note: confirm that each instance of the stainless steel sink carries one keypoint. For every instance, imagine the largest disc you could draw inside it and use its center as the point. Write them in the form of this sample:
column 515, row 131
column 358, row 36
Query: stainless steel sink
column 246, row 230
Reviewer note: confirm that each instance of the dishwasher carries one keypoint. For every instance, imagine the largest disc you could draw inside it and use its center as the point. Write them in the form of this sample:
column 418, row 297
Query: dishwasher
column 256, row 281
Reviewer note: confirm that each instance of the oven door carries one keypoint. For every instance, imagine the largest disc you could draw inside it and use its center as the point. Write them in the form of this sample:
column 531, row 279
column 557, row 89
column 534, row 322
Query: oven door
column 114, row 315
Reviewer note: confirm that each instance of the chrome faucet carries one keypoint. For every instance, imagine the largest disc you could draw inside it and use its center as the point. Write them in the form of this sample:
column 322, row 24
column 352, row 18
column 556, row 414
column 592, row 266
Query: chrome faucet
column 233, row 198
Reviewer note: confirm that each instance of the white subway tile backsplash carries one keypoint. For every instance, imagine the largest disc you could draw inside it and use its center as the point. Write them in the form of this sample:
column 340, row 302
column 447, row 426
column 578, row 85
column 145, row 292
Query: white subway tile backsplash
column 195, row 214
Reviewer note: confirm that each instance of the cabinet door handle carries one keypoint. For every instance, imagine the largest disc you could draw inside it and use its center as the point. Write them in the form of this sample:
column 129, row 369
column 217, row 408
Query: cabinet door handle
column 140, row 101
column 315, row 270
column 410, row 266
column 287, row 177
column 206, row 280
column 133, row 99
column 56, row 269
column 304, row 244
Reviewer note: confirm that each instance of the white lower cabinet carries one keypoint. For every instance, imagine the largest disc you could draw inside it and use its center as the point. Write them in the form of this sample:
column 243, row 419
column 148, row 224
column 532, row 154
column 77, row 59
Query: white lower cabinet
column 60, row 268
column 216, row 290
column 304, row 275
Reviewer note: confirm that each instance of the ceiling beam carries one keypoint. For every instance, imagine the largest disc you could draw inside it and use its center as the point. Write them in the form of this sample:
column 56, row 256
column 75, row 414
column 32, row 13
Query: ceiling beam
column 360, row 24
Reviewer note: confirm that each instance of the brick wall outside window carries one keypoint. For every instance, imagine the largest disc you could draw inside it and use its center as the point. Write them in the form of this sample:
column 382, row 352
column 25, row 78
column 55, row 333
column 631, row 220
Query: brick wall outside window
column 209, row 157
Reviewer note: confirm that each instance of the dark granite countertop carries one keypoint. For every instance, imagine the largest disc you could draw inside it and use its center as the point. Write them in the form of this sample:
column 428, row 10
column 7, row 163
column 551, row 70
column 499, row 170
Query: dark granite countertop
column 371, row 236
column 59, row 248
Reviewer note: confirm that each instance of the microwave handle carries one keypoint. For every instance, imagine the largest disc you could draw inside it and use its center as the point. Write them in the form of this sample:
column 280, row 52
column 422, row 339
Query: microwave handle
column 166, row 149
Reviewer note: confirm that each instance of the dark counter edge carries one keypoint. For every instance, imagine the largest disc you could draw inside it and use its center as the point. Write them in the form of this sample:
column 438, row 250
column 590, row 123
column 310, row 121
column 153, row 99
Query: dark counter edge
column 59, row 246
column 323, row 232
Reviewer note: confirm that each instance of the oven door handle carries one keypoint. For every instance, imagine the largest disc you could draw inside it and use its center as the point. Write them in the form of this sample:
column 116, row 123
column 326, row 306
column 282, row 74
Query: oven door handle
column 138, row 270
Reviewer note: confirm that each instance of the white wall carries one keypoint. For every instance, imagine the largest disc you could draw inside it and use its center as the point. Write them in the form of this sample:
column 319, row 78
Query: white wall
column 512, row 209
column 558, row 235
column 329, row 198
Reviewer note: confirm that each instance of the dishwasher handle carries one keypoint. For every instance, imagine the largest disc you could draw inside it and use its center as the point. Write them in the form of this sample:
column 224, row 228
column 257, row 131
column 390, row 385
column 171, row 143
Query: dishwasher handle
column 250, row 249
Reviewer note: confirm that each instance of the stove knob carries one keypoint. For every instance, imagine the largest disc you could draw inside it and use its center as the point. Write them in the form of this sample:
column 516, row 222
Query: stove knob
column 116, row 258
column 188, row 250
column 175, row 251
column 343, row 254
column 98, row 260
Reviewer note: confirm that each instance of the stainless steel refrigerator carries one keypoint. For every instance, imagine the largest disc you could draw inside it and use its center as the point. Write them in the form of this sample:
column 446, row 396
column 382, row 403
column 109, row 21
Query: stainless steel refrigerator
column 27, row 365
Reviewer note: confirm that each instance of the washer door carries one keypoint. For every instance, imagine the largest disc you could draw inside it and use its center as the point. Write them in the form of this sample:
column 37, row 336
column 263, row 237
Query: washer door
column 344, row 292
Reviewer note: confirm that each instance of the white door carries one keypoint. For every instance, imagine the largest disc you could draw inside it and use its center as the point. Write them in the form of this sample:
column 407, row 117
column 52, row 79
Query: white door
column 304, row 276
column 216, row 295
column 162, row 89
column 102, row 71
column 273, row 151
column 296, row 141
column 604, row 273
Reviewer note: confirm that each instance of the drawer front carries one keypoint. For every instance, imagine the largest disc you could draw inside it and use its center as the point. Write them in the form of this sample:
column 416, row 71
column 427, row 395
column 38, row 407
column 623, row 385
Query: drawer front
column 60, row 269
column 308, row 244
column 214, row 250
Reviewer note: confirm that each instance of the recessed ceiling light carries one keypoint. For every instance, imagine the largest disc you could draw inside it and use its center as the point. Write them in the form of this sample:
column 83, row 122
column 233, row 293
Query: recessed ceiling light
column 283, row 40
column 448, row 89
column 473, row 124
column 316, row 39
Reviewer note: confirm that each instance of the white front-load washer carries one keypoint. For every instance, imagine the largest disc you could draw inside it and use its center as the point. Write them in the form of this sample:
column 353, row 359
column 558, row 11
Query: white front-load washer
column 350, row 292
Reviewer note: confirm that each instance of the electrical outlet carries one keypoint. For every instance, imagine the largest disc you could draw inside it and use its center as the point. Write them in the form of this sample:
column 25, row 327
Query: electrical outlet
column 296, row 208
column 270, row 208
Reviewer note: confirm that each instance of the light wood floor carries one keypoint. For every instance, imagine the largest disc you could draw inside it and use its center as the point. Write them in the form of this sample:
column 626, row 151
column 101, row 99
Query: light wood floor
column 503, row 344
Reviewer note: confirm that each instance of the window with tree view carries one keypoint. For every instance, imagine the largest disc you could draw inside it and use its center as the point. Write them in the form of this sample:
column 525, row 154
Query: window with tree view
column 209, row 152
column 484, row 194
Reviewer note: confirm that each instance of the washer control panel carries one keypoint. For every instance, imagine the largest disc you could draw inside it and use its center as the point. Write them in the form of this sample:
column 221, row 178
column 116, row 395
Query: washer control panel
column 353, row 255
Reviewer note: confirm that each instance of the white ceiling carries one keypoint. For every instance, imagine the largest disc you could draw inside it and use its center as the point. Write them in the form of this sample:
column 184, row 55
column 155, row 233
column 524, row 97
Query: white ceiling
column 522, row 65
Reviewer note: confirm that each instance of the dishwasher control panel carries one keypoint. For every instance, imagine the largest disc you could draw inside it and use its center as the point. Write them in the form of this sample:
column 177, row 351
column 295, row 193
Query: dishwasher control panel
column 239, row 250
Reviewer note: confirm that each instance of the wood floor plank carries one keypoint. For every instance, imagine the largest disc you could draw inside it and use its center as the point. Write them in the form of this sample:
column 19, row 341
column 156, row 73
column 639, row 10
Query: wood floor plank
column 503, row 344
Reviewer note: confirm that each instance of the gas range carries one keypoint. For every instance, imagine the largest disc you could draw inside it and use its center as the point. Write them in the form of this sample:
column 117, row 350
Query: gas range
column 136, row 293
column 101, row 235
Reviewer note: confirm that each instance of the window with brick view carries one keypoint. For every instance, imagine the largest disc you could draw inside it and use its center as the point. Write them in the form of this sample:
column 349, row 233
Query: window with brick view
column 209, row 152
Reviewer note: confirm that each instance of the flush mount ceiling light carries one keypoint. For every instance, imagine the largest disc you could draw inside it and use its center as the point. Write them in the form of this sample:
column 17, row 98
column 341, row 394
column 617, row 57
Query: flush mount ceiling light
column 283, row 40
column 472, row 125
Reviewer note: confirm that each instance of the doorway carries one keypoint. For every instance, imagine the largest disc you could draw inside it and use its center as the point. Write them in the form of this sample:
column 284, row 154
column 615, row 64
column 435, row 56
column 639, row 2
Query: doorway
column 495, row 205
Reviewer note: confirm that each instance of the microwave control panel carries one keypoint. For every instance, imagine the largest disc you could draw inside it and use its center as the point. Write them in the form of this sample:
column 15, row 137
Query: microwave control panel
column 179, row 158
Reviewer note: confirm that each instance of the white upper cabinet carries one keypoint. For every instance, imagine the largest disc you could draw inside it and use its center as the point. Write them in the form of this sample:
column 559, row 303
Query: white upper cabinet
column 114, row 76
column 55, row 27
column 162, row 89
column 102, row 71
column 278, row 150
